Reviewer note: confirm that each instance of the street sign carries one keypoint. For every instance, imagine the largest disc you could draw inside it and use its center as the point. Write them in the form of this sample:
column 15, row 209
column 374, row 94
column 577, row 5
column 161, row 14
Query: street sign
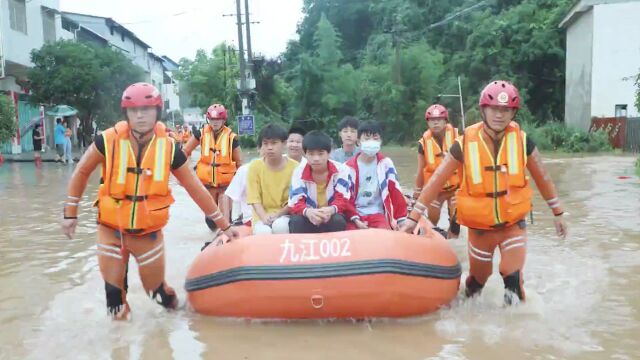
column 246, row 125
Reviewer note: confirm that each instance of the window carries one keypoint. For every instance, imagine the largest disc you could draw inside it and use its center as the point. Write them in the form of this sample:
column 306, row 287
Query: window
column 621, row 110
column 111, row 30
column 18, row 15
column 66, row 25
column 48, row 25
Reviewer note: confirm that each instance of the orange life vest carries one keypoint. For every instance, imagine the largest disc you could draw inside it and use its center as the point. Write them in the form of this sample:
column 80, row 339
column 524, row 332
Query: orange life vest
column 216, row 166
column 434, row 155
column 494, row 192
column 135, row 198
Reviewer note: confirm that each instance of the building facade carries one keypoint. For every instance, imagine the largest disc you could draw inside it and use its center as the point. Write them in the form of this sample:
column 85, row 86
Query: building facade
column 603, row 48
column 24, row 25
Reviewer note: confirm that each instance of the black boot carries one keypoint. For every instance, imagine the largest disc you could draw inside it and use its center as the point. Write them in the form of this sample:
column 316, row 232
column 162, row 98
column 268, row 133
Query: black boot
column 472, row 287
column 513, row 288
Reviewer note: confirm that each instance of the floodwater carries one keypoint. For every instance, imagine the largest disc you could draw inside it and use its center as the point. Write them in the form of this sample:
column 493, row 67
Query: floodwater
column 583, row 292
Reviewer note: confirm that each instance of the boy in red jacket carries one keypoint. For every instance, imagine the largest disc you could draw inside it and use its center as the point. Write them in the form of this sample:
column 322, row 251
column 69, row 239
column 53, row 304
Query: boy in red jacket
column 377, row 200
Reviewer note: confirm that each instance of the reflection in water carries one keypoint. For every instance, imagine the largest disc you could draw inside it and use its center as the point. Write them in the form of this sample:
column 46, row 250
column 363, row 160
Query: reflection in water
column 582, row 292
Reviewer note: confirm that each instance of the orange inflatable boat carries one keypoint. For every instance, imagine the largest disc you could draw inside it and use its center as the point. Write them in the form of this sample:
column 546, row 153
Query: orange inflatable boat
column 351, row 274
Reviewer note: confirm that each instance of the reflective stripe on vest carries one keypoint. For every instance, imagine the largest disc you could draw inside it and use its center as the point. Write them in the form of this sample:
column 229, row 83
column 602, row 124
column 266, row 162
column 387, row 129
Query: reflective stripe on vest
column 431, row 145
column 222, row 144
column 434, row 155
column 430, row 156
column 206, row 144
column 161, row 146
column 495, row 191
column 474, row 156
column 135, row 197
column 124, row 160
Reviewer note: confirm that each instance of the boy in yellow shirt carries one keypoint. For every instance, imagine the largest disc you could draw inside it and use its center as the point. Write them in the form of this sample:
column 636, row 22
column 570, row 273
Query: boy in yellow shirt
column 268, row 182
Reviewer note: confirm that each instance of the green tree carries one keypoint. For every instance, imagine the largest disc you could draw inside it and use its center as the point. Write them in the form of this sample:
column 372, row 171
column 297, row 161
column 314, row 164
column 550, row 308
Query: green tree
column 87, row 77
column 521, row 43
column 401, row 105
column 7, row 119
column 325, row 88
column 518, row 40
column 387, row 60
column 352, row 19
column 211, row 78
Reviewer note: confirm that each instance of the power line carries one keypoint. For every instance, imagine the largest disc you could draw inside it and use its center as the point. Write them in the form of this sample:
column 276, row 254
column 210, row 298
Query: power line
column 288, row 121
column 444, row 21
column 453, row 16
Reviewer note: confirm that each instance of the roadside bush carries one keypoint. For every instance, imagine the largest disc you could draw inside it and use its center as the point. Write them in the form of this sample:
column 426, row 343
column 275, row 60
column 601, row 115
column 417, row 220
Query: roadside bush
column 555, row 135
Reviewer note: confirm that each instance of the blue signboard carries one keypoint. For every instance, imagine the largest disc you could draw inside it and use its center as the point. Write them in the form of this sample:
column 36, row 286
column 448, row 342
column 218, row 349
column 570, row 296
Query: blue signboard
column 246, row 125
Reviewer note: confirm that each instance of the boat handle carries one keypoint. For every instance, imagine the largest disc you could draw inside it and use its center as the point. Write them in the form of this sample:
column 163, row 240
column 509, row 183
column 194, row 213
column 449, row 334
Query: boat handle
column 317, row 301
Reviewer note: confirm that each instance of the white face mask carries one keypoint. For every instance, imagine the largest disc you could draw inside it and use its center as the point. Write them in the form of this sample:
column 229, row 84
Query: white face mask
column 370, row 147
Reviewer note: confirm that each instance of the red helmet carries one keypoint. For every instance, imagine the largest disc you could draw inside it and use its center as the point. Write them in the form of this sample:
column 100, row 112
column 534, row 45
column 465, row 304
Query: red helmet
column 141, row 94
column 216, row 112
column 436, row 111
column 500, row 93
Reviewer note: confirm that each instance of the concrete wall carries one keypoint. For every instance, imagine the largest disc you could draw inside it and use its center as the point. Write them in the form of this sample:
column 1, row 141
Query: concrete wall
column 67, row 35
column 170, row 93
column 616, row 57
column 16, row 45
column 579, row 72
column 156, row 76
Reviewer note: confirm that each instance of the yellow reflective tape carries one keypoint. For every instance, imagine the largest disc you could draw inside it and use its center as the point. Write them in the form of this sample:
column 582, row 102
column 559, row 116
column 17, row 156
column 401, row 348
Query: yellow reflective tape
column 224, row 144
column 205, row 143
column 107, row 160
column 429, row 149
column 524, row 146
column 158, row 172
column 512, row 153
column 474, row 156
column 124, row 160
column 447, row 141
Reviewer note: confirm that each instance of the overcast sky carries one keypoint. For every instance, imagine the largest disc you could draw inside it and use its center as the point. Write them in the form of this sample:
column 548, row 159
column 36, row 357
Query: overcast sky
column 179, row 28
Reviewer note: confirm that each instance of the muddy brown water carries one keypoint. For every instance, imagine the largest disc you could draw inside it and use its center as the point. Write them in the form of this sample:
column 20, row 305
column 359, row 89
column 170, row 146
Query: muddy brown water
column 583, row 293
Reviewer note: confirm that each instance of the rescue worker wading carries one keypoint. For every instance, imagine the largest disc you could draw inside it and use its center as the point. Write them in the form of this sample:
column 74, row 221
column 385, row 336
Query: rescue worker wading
column 432, row 148
column 495, row 196
column 134, row 197
column 220, row 157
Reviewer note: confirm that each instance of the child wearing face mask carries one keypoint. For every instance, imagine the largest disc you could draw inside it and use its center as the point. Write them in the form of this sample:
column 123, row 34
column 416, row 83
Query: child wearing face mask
column 377, row 200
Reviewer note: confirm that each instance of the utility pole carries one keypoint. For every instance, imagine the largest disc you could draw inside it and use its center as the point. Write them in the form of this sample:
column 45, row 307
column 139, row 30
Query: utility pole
column 459, row 96
column 462, row 111
column 243, row 74
column 248, row 26
column 250, row 68
column 224, row 63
